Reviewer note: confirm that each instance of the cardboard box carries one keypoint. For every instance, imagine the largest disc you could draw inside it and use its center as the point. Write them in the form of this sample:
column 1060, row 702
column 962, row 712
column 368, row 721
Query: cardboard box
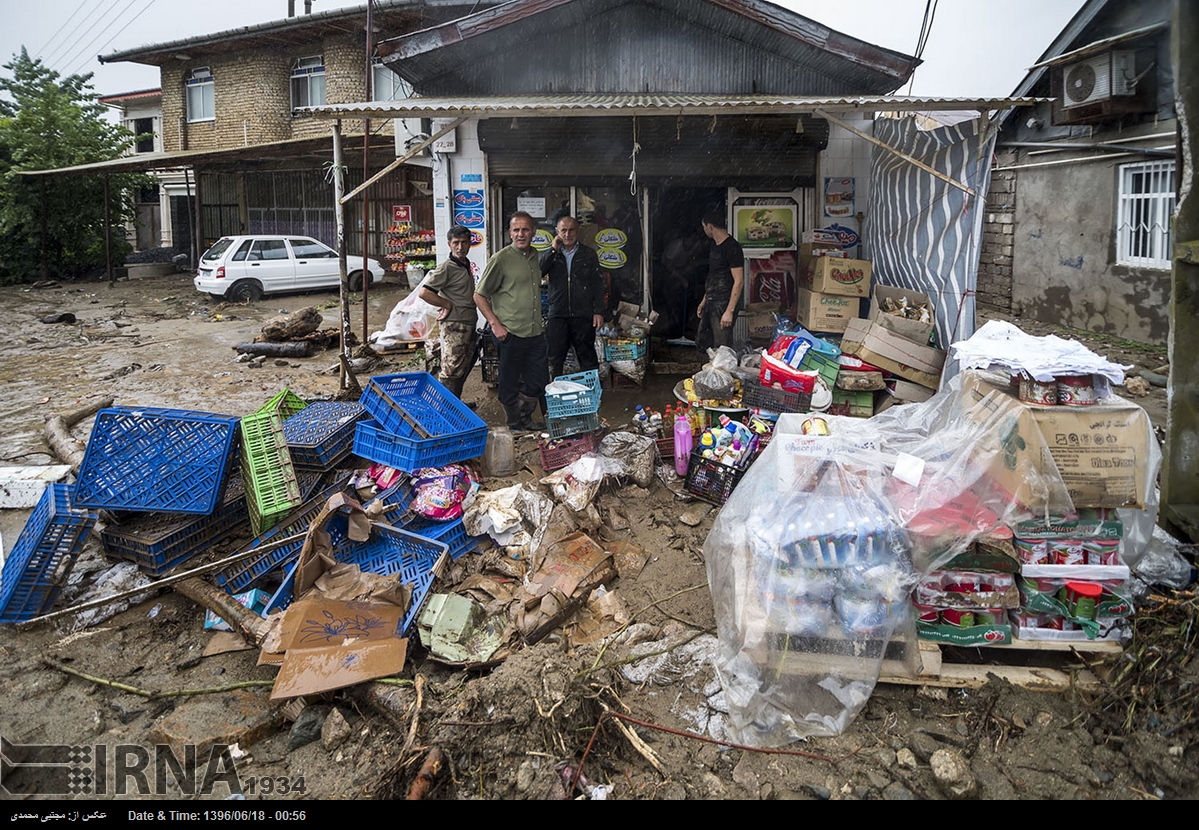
column 887, row 350
column 825, row 312
column 821, row 237
column 807, row 250
column 907, row 392
column 975, row 635
column 1049, row 457
column 761, row 319
column 832, row 275
column 915, row 330
column 933, row 590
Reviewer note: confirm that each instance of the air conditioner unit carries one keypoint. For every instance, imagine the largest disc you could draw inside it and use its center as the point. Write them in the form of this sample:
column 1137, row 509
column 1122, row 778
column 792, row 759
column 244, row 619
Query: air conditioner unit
column 1099, row 78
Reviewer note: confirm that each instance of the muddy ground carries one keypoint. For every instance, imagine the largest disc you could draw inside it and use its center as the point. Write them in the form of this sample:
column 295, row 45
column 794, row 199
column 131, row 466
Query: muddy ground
column 510, row 732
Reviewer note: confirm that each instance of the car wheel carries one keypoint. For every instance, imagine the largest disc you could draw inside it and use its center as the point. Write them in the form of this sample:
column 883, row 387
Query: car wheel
column 246, row 291
column 355, row 280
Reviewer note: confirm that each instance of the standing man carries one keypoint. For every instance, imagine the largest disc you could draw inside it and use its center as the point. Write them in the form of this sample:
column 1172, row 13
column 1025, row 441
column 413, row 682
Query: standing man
column 576, row 297
column 509, row 296
column 452, row 289
column 722, row 290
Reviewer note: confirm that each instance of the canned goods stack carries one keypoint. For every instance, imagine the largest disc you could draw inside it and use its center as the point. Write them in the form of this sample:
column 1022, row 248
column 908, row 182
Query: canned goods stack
column 966, row 607
column 1072, row 578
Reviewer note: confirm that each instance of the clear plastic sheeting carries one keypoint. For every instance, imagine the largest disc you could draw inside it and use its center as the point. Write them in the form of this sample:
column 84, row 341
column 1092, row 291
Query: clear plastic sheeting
column 812, row 559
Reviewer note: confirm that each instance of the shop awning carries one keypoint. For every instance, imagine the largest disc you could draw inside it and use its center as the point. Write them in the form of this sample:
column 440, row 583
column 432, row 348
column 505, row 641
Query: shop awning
column 558, row 106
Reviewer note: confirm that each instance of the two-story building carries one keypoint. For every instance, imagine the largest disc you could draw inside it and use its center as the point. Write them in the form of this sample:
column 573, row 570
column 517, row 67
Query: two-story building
column 1083, row 191
column 230, row 99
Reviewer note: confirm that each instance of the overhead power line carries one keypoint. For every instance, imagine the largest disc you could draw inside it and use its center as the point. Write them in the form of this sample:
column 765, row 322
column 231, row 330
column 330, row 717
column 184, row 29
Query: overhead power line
column 87, row 51
column 82, row 27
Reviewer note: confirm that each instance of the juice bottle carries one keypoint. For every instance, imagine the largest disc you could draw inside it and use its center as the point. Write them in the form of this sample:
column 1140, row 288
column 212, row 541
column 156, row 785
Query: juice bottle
column 682, row 444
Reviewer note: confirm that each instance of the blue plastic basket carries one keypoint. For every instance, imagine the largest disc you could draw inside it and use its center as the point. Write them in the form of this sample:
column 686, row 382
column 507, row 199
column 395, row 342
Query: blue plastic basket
column 322, row 434
column 246, row 574
column 158, row 542
column 425, row 424
column 397, row 502
column 391, row 550
column 572, row 425
column 38, row 564
column 575, row 403
column 156, row 460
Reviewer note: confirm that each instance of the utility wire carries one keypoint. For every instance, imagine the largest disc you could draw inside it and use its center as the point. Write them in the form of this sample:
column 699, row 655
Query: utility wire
column 926, row 30
column 117, row 33
column 69, row 18
column 70, row 40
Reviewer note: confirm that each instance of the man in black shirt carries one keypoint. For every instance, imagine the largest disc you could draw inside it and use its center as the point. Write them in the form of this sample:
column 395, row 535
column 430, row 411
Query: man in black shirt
column 722, row 290
column 576, row 298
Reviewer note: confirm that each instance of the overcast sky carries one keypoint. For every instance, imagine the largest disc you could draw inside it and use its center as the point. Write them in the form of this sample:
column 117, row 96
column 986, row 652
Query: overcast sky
column 976, row 49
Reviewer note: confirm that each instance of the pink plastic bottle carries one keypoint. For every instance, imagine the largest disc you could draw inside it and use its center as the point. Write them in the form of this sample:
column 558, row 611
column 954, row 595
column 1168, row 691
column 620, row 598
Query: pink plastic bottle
column 682, row 444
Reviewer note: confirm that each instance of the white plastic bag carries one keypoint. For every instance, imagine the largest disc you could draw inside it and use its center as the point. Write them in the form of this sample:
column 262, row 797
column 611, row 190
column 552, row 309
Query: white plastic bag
column 412, row 319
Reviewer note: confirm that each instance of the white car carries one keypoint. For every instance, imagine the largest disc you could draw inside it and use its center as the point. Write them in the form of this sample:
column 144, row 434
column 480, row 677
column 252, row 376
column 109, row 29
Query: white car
column 243, row 268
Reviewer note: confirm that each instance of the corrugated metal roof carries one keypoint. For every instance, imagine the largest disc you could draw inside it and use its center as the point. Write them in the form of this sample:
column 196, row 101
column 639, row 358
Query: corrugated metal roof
column 534, row 106
column 141, row 94
column 299, row 29
column 446, row 58
column 1102, row 45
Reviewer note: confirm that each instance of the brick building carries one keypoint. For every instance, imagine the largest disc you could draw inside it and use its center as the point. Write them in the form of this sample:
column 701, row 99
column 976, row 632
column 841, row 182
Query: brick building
column 229, row 94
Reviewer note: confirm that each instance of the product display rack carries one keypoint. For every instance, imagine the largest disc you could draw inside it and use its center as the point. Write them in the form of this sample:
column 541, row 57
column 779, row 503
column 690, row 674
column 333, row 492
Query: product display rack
column 405, row 245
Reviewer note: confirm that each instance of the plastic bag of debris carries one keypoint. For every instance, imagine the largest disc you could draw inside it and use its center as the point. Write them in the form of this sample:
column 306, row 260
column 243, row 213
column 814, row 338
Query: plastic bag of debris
column 636, row 452
column 412, row 319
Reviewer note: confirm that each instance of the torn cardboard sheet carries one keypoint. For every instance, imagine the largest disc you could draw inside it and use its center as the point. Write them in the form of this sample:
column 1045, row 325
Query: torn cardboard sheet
column 331, row 644
column 568, row 564
column 515, row 517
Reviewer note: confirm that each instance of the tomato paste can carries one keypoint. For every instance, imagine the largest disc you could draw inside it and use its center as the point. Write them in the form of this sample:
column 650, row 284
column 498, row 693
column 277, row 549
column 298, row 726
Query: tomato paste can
column 1070, row 552
column 815, row 426
column 1033, row 552
column 990, row 616
column 957, row 617
column 1076, row 390
column 1038, row 392
column 1081, row 598
column 928, row 614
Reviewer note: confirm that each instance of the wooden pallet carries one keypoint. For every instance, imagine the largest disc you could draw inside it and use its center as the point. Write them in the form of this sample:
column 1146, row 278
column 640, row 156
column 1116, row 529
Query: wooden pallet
column 933, row 670
column 925, row 665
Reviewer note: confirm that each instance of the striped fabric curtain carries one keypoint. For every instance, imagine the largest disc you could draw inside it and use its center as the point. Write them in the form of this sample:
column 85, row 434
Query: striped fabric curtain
column 921, row 232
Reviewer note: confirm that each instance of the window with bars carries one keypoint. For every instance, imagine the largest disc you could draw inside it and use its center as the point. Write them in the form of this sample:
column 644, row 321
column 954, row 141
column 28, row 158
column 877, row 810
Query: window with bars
column 308, row 82
column 1144, row 214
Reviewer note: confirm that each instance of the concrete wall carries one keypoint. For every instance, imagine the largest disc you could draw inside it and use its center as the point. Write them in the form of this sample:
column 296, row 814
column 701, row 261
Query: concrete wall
column 252, row 96
column 1063, row 264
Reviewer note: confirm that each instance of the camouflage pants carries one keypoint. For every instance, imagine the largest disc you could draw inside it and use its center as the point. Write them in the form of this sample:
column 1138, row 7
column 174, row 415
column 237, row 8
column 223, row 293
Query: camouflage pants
column 458, row 350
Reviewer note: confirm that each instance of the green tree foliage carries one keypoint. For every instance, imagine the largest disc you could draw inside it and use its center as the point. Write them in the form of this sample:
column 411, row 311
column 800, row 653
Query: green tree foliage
column 53, row 226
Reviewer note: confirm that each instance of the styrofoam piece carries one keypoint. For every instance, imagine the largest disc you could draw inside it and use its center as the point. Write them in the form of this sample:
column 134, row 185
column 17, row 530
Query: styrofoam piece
column 23, row 486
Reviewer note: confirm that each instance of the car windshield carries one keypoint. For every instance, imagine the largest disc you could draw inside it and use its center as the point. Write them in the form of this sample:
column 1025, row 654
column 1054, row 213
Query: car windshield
column 214, row 253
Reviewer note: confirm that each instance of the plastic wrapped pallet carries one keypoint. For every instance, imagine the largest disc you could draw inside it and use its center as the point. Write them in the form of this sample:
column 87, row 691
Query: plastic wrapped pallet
column 812, row 558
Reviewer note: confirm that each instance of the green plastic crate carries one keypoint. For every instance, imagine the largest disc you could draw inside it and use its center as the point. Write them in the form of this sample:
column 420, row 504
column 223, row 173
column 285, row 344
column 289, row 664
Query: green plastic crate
column 272, row 488
column 285, row 404
column 852, row 404
column 828, row 366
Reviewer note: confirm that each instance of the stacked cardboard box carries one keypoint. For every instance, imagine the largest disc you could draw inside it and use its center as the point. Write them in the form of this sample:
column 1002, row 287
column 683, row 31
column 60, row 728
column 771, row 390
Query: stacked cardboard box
column 831, row 286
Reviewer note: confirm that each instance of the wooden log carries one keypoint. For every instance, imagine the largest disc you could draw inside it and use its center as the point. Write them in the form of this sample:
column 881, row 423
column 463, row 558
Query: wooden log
column 391, row 702
column 297, row 348
column 427, row 775
column 69, row 449
column 253, row 627
column 577, row 600
column 292, row 326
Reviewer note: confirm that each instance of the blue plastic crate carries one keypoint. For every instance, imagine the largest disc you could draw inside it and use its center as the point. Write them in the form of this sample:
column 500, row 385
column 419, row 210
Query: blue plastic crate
column 38, row 565
column 410, row 455
column 575, row 403
column 156, row 460
column 246, row 574
column 389, row 551
column 322, row 434
column 158, row 542
column 427, row 424
column 397, row 502
column 572, row 425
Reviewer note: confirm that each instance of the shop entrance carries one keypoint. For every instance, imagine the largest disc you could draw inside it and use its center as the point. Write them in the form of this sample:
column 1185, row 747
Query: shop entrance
column 679, row 254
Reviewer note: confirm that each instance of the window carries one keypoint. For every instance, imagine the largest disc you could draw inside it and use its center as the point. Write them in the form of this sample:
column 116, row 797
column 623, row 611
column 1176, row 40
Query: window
column 387, row 85
column 240, row 254
column 200, row 95
column 308, row 83
column 1145, row 210
column 310, row 249
column 143, row 132
column 269, row 249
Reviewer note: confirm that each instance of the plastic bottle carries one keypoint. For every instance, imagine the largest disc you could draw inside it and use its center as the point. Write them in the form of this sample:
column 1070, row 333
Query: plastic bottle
column 682, row 444
column 499, row 454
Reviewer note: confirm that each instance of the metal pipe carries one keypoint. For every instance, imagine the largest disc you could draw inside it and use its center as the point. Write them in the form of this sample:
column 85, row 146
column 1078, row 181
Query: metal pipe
column 1060, row 162
column 1107, row 148
column 366, row 169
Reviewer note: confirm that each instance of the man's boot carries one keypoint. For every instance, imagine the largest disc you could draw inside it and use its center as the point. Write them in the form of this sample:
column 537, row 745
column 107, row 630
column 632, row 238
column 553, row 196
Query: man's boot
column 515, row 416
column 527, row 407
column 455, row 386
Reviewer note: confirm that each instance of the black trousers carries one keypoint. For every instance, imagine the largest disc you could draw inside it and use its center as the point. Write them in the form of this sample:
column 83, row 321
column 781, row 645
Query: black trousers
column 563, row 332
column 523, row 368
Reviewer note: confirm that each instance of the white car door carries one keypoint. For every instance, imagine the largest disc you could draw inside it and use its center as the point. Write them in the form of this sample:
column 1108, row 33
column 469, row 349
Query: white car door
column 270, row 263
column 316, row 265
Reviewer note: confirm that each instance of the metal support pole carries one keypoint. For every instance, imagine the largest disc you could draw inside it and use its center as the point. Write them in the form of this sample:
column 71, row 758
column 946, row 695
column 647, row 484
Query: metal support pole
column 340, row 214
column 366, row 169
column 107, row 232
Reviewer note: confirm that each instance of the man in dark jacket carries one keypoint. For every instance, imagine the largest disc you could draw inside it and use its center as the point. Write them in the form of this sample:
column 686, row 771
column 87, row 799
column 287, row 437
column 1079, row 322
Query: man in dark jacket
column 576, row 298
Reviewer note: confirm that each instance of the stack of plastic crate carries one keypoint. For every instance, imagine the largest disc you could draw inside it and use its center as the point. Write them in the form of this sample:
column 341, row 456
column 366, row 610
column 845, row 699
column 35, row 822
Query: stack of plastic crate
column 321, row 435
column 156, row 460
column 420, row 424
column 39, row 563
column 272, row 488
column 574, row 413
